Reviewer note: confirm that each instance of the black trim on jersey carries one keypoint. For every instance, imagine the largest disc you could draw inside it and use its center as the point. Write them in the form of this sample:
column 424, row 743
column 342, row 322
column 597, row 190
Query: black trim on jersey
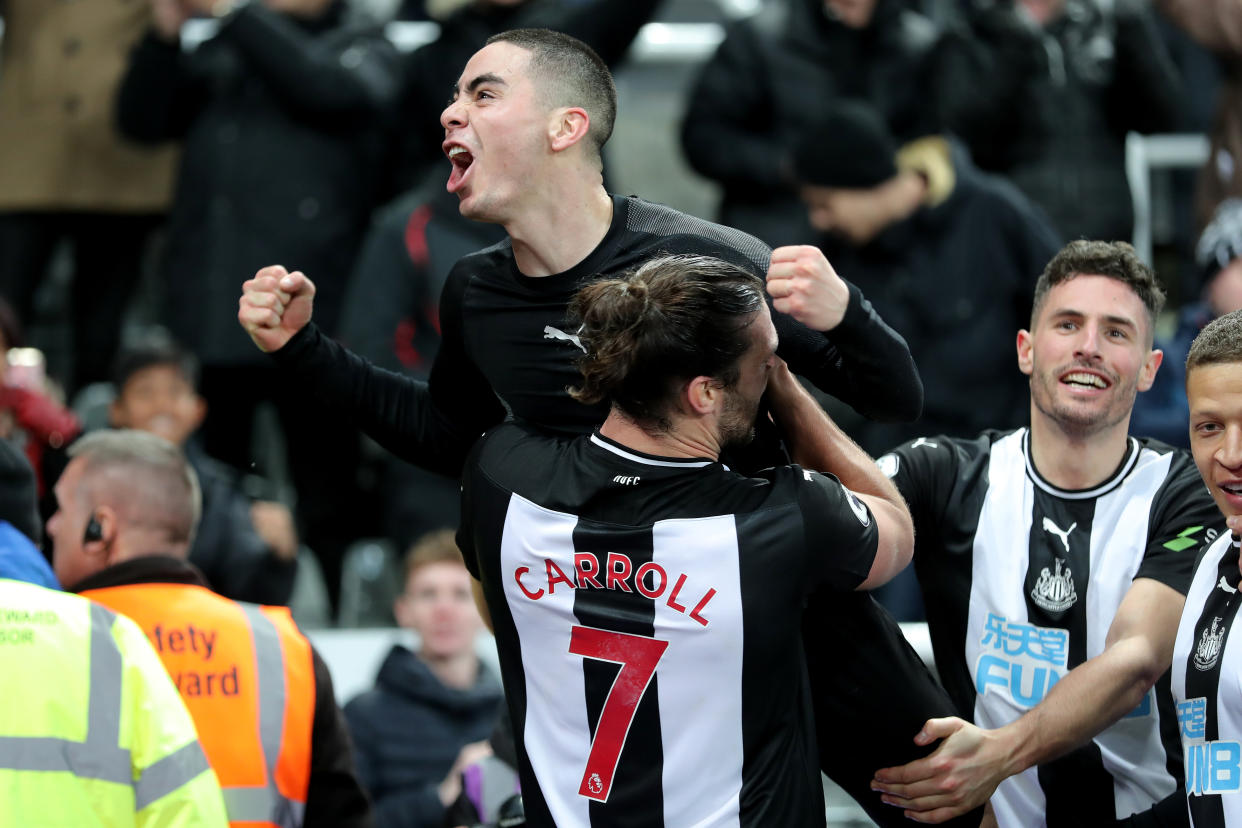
column 942, row 473
column 768, row 784
column 637, row 784
column 1078, row 790
column 1112, row 481
column 1206, row 809
column 488, row 504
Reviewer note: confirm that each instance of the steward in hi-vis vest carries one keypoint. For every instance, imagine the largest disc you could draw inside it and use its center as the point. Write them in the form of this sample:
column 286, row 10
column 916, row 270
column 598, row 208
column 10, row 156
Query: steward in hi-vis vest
column 91, row 730
column 262, row 698
column 235, row 663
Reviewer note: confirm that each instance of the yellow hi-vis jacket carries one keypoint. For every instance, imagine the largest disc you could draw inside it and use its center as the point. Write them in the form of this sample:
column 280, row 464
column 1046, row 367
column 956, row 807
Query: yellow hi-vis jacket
column 92, row 730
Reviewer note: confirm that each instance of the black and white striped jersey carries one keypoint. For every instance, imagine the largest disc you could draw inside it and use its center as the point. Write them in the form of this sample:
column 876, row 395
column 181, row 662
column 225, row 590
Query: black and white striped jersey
column 647, row 614
column 1207, row 687
column 1021, row 580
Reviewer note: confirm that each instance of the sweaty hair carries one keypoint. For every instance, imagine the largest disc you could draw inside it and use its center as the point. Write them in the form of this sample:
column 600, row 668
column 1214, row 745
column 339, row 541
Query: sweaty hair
column 1116, row 260
column 671, row 320
column 567, row 72
column 155, row 353
column 439, row 546
column 1218, row 343
column 144, row 477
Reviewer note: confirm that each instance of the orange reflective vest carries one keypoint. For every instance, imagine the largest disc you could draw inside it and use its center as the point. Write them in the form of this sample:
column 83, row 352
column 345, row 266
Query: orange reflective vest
column 248, row 680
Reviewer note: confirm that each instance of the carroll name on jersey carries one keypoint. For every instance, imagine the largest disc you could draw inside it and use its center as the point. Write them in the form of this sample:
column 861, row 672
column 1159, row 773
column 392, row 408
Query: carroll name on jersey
column 647, row 614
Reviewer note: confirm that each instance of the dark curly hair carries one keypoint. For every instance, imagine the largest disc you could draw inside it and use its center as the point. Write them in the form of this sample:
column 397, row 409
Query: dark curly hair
column 647, row 332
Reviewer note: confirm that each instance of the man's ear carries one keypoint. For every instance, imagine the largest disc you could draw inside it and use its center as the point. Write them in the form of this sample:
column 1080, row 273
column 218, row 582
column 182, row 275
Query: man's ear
column 105, row 548
column 703, row 395
column 1026, row 344
column 1148, row 374
column 569, row 126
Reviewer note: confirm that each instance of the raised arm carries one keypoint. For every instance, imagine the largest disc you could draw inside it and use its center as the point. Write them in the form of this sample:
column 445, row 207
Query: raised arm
column 830, row 334
column 971, row 762
column 316, row 75
column 817, row 443
column 157, row 98
column 430, row 424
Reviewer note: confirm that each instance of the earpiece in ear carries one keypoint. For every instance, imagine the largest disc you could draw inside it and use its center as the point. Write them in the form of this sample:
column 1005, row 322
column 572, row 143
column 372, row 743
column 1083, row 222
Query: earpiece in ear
column 94, row 532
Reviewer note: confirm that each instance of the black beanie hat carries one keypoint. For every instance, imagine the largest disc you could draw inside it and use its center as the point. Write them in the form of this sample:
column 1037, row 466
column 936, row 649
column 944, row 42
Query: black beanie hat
column 850, row 148
column 18, row 501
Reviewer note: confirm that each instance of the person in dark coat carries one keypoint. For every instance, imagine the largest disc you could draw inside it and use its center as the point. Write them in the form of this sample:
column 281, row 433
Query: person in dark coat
column 1054, row 86
column 286, row 117
column 430, row 711
column 1163, row 412
column 775, row 73
column 948, row 255
column 20, row 529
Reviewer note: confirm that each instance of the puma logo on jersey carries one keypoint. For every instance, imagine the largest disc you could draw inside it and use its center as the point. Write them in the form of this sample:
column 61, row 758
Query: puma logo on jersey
column 626, row 480
column 1049, row 526
column 1225, row 585
column 550, row 332
column 923, row 441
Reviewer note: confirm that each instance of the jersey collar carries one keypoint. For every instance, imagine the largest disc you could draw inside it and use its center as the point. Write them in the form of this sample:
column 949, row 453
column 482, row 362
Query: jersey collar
column 648, row 459
column 1127, row 465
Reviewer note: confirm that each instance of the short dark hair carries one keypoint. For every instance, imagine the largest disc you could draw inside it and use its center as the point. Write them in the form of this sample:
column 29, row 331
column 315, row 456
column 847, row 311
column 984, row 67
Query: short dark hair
column 1116, row 260
column 670, row 320
column 1218, row 343
column 569, row 73
column 152, row 353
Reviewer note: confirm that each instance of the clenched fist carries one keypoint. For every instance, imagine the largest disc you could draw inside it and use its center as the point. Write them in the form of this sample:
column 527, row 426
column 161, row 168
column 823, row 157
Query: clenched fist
column 803, row 284
column 274, row 306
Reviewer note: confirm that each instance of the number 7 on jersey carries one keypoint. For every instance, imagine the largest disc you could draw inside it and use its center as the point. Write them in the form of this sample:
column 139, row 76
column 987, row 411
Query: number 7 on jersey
column 638, row 657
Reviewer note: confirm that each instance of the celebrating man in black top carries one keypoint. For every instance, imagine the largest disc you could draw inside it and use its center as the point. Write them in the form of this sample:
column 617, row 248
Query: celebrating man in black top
column 646, row 599
column 524, row 132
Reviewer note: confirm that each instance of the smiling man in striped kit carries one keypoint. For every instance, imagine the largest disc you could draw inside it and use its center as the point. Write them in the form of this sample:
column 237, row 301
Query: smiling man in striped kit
column 1054, row 562
column 1207, row 656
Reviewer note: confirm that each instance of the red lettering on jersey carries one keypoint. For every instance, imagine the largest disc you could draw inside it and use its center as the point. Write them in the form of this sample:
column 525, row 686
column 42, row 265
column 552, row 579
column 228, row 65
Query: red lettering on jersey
column 672, row 596
column 700, row 606
column 638, row 657
column 558, row 578
column 517, row 576
column 619, row 568
column 587, row 566
column 639, row 577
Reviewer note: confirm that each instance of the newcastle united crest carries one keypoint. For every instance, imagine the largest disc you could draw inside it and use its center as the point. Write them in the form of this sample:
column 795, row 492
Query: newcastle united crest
column 1054, row 591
